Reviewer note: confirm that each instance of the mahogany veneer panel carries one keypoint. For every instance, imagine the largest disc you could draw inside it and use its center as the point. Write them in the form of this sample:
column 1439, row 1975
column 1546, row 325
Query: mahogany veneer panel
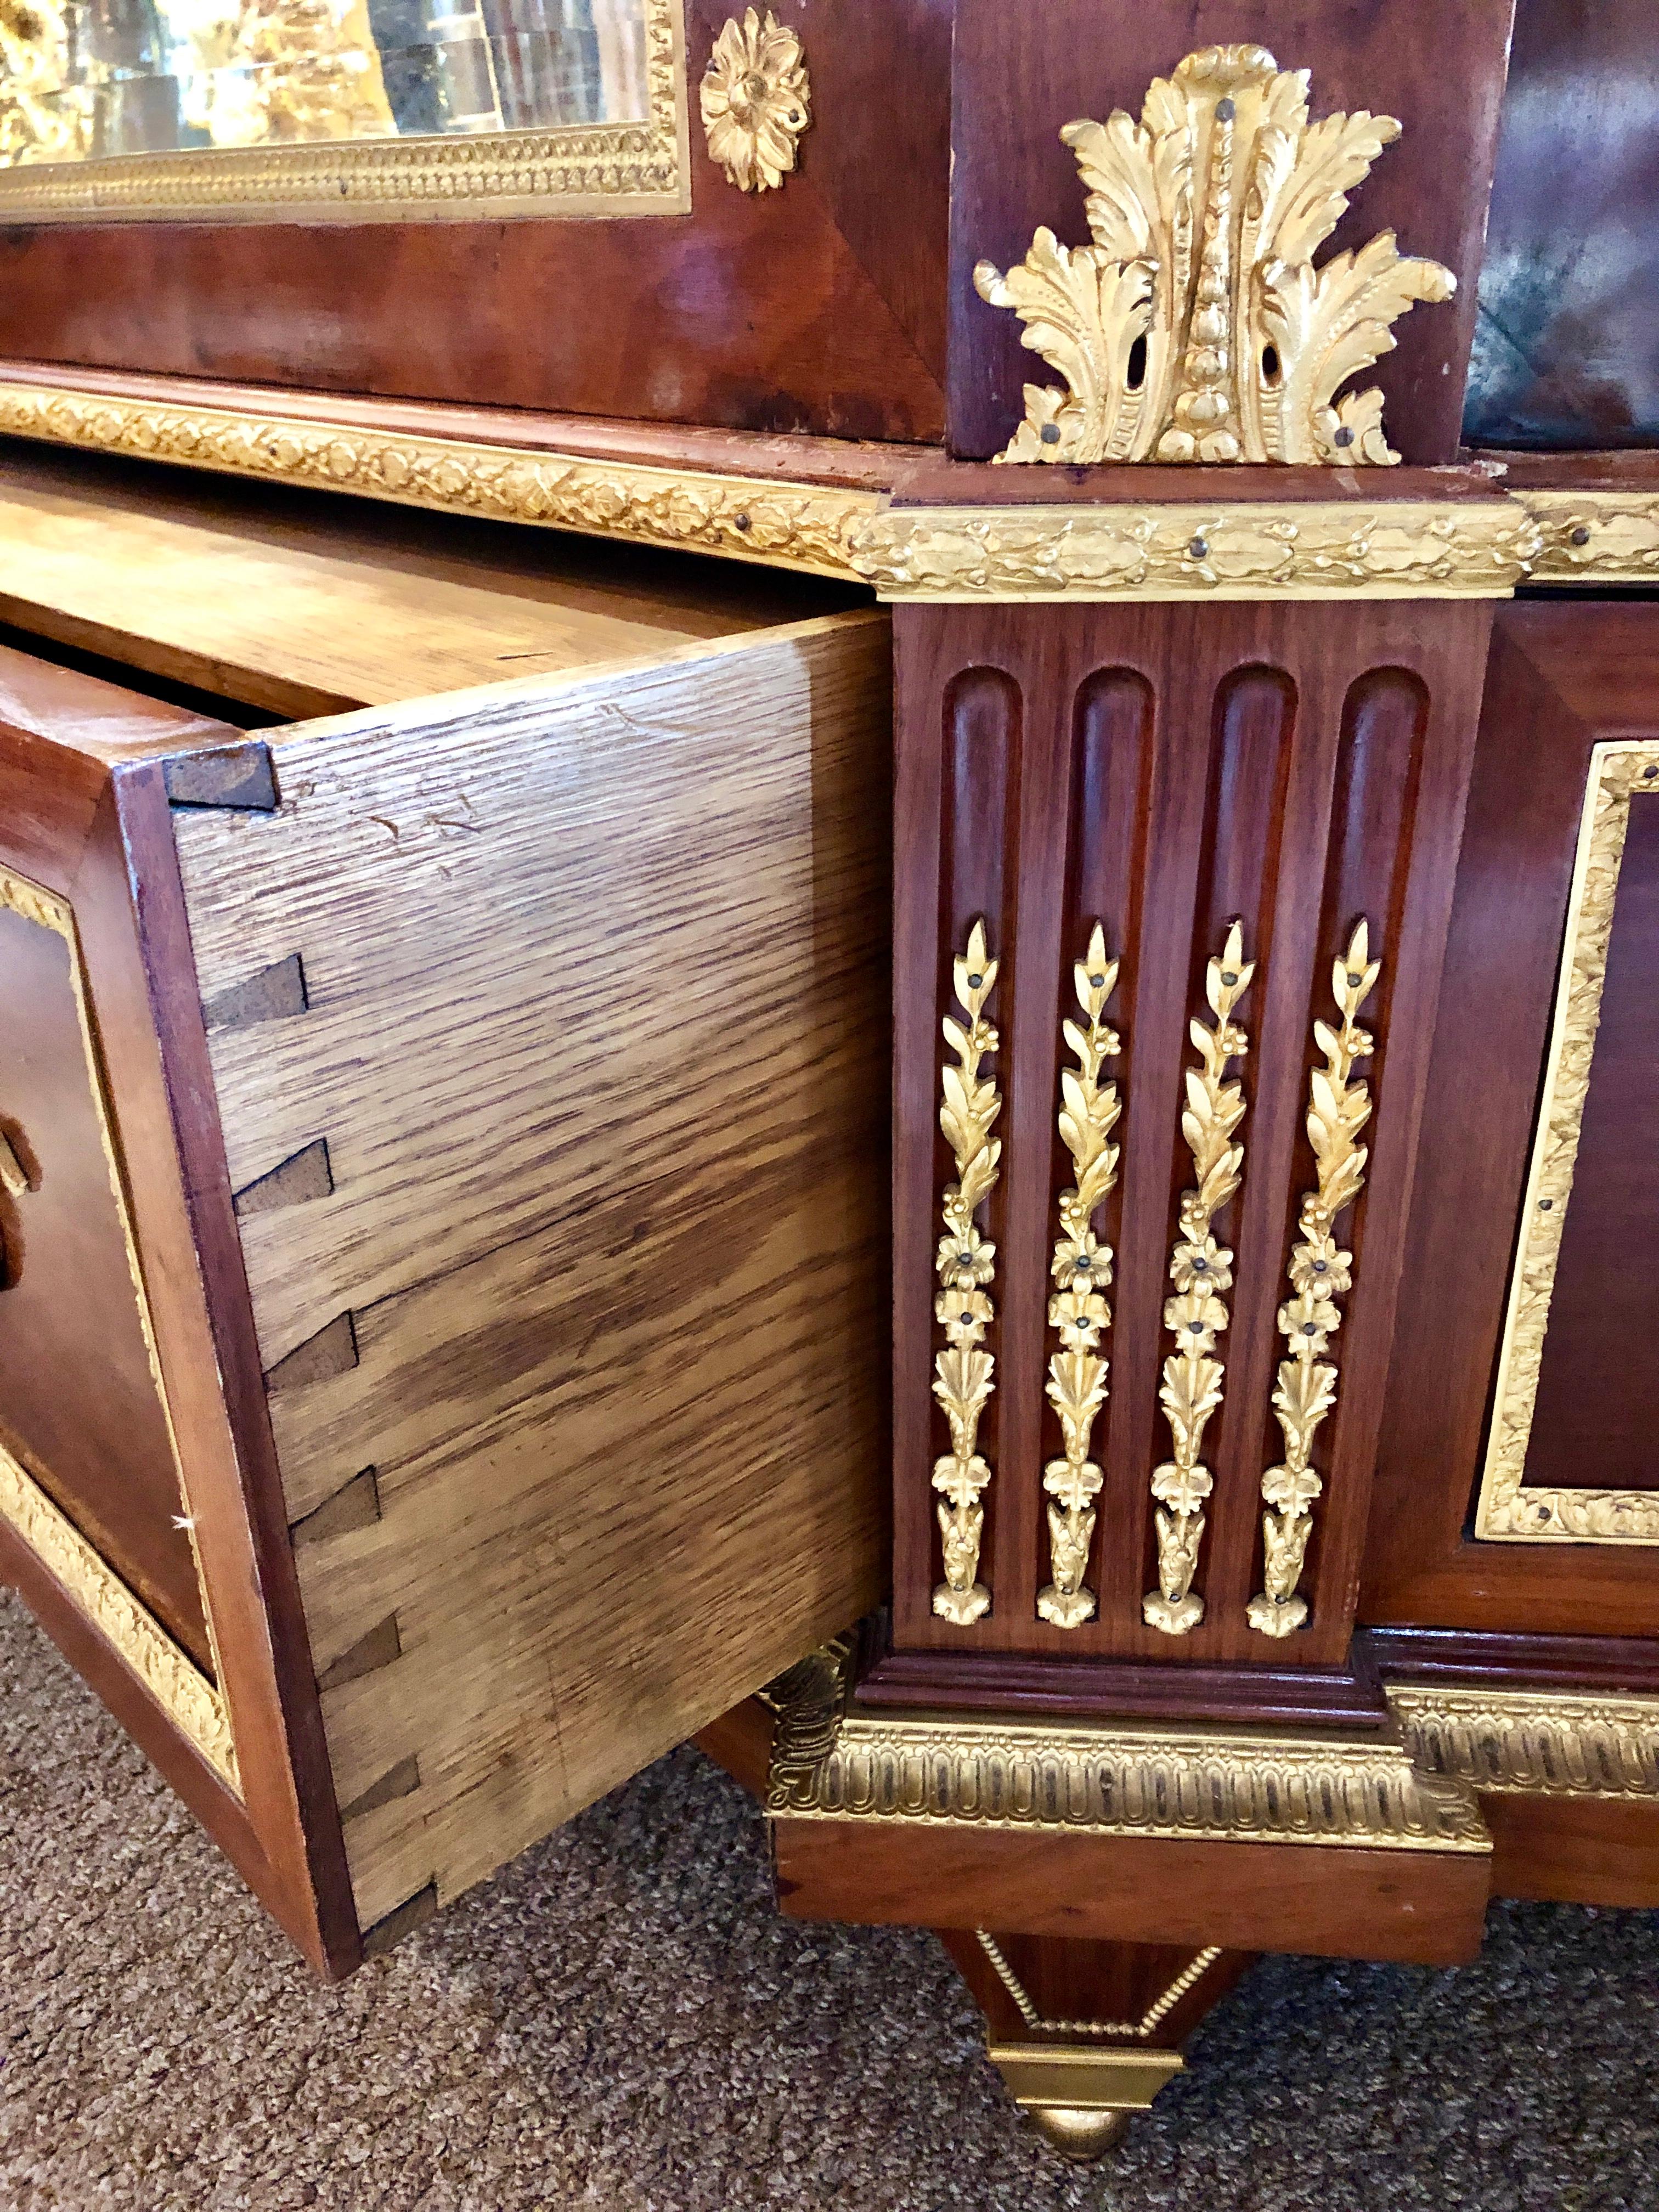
column 1576, row 1851
column 1425, row 1907
column 1563, row 677
column 78, row 1402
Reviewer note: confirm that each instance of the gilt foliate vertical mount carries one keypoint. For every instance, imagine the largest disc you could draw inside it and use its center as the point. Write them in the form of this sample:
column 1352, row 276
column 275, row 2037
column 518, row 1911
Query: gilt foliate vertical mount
column 1081, row 1271
column 1196, row 327
column 963, row 1373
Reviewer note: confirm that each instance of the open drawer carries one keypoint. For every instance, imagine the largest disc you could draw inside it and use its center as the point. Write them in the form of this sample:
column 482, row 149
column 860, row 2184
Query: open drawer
column 442, row 1158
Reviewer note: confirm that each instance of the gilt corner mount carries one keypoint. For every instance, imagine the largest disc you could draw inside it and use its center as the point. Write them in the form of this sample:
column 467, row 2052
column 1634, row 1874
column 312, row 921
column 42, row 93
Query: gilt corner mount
column 1195, row 328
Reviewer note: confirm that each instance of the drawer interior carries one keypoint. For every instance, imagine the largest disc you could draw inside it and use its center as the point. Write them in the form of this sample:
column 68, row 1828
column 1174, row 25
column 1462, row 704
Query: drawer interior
column 301, row 603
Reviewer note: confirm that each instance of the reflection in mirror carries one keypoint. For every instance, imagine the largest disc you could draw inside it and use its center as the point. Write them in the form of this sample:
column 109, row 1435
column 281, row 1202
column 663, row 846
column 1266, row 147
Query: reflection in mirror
column 81, row 80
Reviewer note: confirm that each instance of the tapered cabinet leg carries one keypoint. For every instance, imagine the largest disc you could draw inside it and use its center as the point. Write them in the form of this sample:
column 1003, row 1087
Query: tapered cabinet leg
column 1085, row 2034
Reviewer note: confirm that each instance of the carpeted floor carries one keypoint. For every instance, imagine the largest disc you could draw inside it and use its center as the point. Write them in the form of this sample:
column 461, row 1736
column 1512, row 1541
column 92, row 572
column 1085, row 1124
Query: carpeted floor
column 620, row 2021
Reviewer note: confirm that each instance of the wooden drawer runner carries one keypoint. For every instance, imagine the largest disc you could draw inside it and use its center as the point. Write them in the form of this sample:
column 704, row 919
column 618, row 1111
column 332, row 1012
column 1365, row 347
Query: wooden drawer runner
column 494, row 1088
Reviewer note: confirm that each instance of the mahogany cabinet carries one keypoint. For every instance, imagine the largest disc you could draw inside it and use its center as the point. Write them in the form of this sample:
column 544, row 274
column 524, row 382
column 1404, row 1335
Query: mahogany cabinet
column 440, row 1346
column 1190, row 1473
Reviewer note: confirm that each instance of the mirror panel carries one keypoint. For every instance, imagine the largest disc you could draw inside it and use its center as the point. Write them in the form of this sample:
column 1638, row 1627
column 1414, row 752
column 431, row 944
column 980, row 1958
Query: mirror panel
column 359, row 109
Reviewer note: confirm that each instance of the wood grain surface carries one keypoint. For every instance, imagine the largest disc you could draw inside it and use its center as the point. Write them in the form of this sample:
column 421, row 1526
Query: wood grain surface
column 304, row 605
column 1424, row 1907
column 1576, row 1851
column 595, row 1031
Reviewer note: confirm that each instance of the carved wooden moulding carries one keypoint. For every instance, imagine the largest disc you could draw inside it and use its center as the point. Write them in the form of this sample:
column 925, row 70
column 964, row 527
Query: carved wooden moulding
column 1195, row 327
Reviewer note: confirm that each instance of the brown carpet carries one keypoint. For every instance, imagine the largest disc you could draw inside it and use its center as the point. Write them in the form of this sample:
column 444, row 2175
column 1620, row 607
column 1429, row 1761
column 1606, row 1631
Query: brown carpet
column 620, row 2021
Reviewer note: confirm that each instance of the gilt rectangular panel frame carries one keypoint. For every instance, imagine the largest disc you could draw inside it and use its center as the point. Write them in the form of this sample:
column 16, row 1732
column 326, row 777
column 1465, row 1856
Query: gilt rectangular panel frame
column 628, row 168
column 1507, row 1510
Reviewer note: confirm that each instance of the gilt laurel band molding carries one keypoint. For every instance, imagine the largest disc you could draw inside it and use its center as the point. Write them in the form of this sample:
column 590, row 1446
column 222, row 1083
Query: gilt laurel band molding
column 192, row 1700
column 1508, row 1511
column 1403, row 550
column 172, row 1678
column 1320, row 1274
column 1196, row 328
column 1247, row 550
column 1082, row 1271
column 1201, row 1270
column 628, row 168
column 1595, row 537
column 1533, row 1743
column 831, row 1762
column 791, row 526
column 1159, row 2009
column 966, row 1264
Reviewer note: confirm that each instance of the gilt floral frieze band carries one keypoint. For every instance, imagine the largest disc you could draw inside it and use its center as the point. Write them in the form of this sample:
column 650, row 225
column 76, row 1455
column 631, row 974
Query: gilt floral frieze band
column 1152, row 550
column 1256, row 549
column 784, row 524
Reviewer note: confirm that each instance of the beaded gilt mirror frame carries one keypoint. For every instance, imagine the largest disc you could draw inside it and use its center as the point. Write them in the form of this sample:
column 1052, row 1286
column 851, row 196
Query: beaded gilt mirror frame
column 353, row 110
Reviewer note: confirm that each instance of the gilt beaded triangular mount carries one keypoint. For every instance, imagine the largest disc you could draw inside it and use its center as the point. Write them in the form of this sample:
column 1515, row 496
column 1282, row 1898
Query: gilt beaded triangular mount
column 1196, row 327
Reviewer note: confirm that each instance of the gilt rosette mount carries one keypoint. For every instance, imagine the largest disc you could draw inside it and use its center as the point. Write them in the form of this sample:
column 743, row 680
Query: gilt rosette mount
column 756, row 100
column 1196, row 327
column 964, row 1371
